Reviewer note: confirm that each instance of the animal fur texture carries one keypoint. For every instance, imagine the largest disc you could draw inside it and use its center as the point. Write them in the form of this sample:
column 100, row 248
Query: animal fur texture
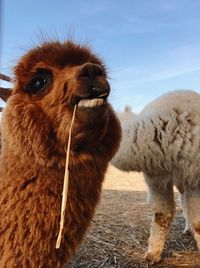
column 49, row 80
column 163, row 142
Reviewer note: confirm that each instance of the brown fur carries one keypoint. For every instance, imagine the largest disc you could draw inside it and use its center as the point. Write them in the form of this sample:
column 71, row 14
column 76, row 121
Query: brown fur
column 34, row 139
column 162, row 220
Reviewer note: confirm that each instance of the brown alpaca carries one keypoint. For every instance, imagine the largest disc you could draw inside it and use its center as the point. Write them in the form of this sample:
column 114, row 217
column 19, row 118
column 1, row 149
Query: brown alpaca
column 49, row 80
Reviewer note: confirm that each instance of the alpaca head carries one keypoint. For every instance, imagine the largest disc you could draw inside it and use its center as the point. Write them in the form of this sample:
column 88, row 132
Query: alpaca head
column 49, row 81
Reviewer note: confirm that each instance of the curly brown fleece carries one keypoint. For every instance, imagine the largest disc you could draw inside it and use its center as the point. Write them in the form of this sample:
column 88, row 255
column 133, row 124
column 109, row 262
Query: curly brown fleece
column 35, row 129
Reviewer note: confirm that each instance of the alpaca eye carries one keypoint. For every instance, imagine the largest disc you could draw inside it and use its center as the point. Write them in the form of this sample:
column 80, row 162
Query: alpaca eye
column 38, row 83
column 42, row 79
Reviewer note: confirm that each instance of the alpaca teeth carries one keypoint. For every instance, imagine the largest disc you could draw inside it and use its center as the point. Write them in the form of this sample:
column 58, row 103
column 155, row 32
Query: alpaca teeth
column 90, row 103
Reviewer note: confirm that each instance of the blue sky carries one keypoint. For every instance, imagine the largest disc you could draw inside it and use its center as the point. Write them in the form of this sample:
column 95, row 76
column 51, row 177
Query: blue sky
column 150, row 47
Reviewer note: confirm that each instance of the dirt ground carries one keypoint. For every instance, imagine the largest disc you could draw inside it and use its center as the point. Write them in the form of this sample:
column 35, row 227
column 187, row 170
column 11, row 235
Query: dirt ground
column 120, row 229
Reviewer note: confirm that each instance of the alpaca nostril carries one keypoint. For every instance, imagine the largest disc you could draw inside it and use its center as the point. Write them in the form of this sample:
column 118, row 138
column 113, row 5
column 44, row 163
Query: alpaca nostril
column 90, row 71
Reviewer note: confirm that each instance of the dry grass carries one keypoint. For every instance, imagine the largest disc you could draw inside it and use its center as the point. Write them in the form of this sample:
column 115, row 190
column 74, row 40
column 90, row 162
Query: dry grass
column 118, row 236
column 65, row 183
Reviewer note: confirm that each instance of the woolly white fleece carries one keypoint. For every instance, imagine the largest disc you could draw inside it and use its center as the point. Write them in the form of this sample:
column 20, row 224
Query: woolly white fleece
column 164, row 138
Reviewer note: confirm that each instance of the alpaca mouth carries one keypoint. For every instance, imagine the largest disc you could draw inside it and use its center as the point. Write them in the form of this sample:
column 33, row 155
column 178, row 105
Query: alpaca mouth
column 94, row 102
column 91, row 101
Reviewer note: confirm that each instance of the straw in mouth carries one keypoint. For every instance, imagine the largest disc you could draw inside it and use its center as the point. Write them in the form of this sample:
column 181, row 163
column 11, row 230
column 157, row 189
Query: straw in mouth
column 65, row 184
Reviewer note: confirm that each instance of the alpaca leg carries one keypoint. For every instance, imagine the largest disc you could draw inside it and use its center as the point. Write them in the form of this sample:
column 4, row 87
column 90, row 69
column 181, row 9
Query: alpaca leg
column 185, row 212
column 162, row 203
column 193, row 204
column 181, row 189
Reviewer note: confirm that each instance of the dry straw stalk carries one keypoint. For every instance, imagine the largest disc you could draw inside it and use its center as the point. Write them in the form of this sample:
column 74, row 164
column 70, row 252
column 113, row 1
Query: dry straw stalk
column 65, row 184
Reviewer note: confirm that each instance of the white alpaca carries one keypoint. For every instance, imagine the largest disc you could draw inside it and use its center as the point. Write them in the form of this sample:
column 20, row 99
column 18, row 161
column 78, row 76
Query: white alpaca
column 163, row 142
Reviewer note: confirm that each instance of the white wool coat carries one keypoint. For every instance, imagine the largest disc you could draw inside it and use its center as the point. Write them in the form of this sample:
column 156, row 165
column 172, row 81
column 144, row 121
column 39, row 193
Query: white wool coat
column 164, row 139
